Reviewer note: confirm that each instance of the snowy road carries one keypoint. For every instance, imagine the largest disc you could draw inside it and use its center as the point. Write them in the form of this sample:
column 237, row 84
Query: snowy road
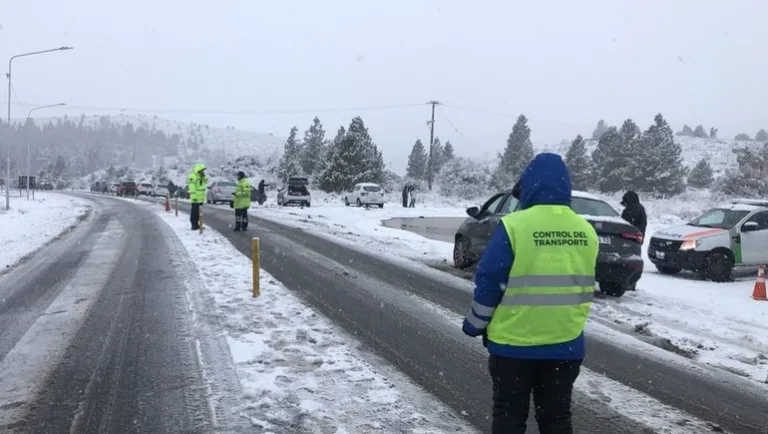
column 409, row 317
column 97, row 334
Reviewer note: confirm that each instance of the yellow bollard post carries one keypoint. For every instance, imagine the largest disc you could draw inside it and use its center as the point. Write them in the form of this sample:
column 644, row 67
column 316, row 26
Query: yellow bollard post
column 176, row 205
column 200, row 219
column 256, row 266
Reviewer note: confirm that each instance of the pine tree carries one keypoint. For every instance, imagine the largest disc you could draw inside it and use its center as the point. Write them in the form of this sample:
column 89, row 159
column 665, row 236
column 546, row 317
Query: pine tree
column 658, row 162
column 700, row 132
column 314, row 149
column 516, row 156
column 742, row 137
column 437, row 158
column 448, row 151
column 599, row 130
column 417, row 161
column 611, row 158
column 579, row 164
column 353, row 158
column 701, row 175
column 751, row 179
column 290, row 163
column 761, row 136
column 713, row 133
column 686, row 131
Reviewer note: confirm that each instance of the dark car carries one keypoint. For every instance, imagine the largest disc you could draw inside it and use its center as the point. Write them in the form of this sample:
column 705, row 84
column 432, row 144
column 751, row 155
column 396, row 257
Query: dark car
column 46, row 185
column 127, row 188
column 619, row 263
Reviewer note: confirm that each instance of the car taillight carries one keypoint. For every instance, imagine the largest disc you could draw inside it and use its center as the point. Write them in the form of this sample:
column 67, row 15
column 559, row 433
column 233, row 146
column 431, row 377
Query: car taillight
column 218, row 190
column 634, row 236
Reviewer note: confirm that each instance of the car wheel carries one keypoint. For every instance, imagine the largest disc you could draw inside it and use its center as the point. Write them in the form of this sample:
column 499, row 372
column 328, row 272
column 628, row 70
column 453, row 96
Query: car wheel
column 307, row 204
column 346, row 201
column 359, row 204
column 718, row 266
column 461, row 256
column 613, row 289
column 668, row 270
column 381, row 205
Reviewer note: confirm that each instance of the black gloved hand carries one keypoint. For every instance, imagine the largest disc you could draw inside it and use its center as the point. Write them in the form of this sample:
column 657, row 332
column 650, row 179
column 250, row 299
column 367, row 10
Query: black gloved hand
column 485, row 338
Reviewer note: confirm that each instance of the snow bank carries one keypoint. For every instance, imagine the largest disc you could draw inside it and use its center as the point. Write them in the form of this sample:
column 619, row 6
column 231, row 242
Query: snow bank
column 298, row 372
column 29, row 225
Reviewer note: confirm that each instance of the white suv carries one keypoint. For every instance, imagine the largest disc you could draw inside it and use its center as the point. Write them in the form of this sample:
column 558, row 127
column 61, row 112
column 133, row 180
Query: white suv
column 365, row 194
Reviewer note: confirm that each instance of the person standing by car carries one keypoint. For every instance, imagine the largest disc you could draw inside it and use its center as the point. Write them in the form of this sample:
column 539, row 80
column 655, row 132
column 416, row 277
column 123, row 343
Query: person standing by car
column 634, row 212
column 533, row 292
column 198, row 186
column 242, row 202
column 262, row 192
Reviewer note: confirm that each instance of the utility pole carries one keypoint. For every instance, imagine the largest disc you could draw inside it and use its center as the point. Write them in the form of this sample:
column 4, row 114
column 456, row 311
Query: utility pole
column 431, row 144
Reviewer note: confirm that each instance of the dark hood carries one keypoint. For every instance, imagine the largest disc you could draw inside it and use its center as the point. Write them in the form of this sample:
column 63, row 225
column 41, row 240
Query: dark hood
column 630, row 198
column 545, row 181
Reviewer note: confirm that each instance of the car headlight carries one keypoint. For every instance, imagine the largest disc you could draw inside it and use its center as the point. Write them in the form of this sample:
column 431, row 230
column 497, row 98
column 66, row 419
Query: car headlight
column 690, row 244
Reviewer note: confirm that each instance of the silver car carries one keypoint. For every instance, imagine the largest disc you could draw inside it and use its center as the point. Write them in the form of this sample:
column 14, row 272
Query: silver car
column 221, row 191
column 715, row 242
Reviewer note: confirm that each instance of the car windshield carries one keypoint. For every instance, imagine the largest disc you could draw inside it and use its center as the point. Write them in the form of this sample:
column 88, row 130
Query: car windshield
column 722, row 218
column 146, row 185
column 371, row 188
column 129, row 184
column 592, row 207
column 227, row 184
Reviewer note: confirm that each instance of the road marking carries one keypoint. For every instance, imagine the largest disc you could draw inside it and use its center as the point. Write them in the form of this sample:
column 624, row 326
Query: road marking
column 35, row 355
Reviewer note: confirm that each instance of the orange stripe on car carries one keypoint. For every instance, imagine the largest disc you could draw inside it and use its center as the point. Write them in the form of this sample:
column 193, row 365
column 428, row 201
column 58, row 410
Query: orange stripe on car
column 703, row 233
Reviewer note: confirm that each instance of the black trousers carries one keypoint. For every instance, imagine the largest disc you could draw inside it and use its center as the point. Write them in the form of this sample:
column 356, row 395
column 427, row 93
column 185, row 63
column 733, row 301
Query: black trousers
column 551, row 382
column 241, row 219
column 194, row 216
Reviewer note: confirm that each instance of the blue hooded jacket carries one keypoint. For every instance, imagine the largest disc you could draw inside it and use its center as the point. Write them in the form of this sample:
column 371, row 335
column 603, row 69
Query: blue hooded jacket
column 544, row 182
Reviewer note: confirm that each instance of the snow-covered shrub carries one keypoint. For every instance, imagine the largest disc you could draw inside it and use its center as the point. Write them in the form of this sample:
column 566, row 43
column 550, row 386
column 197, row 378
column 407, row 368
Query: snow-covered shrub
column 464, row 178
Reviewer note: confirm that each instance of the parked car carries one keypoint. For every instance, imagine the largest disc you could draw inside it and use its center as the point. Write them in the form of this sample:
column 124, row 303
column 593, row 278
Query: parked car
column 46, row 185
column 619, row 263
column 127, row 188
column 221, row 191
column 365, row 194
column 182, row 193
column 716, row 242
column 160, row 191
column 113, row 187
column 145, row 189
column 295, row 191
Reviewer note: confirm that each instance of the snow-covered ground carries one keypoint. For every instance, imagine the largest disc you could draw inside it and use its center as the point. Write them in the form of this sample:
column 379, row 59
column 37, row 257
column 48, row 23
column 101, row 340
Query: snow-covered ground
column 30, row 224
column 294, row 366
column 717, row 324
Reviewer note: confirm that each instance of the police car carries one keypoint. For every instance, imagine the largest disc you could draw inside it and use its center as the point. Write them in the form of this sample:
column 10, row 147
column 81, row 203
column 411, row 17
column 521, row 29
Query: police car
column 715, row 242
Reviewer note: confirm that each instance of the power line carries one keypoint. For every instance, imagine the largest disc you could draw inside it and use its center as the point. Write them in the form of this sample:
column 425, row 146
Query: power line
column 442, row 112
column 235, row 112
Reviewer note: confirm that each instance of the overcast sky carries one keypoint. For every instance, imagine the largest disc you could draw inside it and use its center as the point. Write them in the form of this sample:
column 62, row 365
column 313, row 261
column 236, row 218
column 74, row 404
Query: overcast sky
column 564, row 64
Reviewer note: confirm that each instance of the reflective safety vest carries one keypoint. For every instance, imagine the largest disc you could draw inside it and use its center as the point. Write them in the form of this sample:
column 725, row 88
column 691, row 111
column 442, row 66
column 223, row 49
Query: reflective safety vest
column 552, row 281
column 242, row 194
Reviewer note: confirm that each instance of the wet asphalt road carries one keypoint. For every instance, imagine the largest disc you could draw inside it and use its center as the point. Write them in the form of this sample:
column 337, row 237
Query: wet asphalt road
column 131, row 365
column 369, row 297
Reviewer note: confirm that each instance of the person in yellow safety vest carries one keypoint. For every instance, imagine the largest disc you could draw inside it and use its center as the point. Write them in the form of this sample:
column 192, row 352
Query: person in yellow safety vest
column 198, row 188
column 533, row 291
column 242, row 202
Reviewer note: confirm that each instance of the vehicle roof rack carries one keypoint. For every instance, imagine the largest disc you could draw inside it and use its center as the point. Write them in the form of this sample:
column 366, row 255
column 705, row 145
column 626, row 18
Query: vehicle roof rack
column 755, row 202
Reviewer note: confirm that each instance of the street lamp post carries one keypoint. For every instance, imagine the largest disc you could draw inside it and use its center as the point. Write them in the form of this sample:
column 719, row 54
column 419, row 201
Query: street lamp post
column 8, row 146
column 29, row 115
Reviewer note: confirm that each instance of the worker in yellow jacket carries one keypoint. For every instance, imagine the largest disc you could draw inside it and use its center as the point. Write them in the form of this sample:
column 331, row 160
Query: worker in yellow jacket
column 242, row 201
column 533, row 291
column 198, row 188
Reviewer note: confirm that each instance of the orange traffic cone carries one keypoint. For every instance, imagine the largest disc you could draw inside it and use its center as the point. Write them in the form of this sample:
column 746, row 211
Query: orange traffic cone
column 167, row 205
column 759, row 292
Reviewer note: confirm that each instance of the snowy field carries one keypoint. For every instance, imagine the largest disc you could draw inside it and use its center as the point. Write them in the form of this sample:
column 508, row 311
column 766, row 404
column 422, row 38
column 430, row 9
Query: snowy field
column 29, row 225
column 294, row 366
column 716, row 325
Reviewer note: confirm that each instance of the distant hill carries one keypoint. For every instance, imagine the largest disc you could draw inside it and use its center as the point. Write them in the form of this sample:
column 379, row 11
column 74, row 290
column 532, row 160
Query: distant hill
column 216, row 145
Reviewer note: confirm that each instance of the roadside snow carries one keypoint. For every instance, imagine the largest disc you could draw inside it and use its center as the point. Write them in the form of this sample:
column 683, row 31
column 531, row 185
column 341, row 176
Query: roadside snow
column 297, row 371
column 29, row 225
column 364, row 226
column 717, row 324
